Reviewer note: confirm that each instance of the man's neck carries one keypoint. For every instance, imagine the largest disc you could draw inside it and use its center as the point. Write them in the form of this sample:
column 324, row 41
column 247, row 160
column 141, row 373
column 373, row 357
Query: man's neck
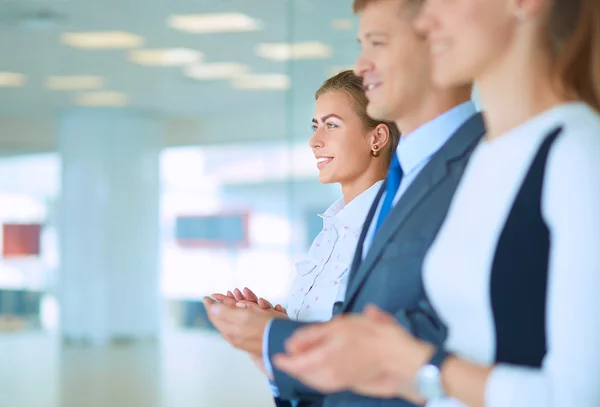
column 437, row 104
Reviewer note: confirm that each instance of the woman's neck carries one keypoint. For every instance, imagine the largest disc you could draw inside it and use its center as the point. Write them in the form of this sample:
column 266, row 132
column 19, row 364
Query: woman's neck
column 352, row 189
column 518, row 88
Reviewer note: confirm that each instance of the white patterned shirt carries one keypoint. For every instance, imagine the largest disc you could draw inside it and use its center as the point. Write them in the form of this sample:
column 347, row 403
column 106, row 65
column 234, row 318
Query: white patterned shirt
column 322, row 276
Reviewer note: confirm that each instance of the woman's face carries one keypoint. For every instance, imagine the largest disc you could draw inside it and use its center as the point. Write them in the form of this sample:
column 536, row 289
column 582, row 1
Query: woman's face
column 340, row 143
column 467, row 38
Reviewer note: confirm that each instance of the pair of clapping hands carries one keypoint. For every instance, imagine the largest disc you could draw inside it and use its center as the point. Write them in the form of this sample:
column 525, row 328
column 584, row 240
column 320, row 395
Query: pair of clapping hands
column 242, row 317
column 246, row 298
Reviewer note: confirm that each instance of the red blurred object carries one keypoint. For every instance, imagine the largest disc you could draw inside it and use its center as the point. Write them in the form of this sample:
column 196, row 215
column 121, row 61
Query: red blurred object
column 21, row 240
column 223, row 230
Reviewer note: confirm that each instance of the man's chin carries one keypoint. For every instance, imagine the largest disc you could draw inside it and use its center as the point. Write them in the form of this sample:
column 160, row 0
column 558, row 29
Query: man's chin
column 448, row 79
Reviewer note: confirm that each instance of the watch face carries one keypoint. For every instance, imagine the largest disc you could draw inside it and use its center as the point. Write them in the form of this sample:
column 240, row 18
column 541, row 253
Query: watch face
column 429, row 382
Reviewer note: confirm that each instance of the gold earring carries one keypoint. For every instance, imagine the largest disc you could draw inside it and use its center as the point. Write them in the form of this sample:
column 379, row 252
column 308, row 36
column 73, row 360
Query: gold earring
column 374, row 151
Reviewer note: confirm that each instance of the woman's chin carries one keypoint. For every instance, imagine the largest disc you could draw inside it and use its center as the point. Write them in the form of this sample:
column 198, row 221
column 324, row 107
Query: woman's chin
column 325, row 178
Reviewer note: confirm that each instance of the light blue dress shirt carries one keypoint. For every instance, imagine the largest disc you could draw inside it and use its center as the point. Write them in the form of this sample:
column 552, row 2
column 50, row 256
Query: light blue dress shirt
column 414, row 152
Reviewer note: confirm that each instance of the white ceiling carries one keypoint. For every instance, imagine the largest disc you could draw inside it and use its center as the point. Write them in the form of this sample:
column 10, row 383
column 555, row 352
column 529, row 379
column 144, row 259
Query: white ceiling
column 38, row 53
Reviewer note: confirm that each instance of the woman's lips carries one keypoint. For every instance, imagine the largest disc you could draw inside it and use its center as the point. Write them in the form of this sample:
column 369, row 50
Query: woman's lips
column 323, row 161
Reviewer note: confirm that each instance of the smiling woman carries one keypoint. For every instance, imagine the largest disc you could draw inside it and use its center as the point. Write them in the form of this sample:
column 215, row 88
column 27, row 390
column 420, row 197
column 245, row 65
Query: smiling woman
column 353, row 150
column 343, row 131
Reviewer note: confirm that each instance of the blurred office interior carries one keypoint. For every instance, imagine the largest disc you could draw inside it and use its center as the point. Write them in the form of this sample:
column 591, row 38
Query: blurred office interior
column 152, row 152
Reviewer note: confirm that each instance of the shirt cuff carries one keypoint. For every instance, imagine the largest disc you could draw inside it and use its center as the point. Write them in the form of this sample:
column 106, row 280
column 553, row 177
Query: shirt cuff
column 274, row 389
column 518, row 387
column 266, row 360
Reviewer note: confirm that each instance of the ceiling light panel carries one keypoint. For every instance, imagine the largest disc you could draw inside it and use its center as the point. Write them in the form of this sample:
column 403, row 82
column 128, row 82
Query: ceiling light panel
column 101, row 99
column 262, row 82
column 217, row 70
column 300, row 50
column 12, row 79
column 99, row 40
column 165, row 57
column 213, row 23
column 74, row 82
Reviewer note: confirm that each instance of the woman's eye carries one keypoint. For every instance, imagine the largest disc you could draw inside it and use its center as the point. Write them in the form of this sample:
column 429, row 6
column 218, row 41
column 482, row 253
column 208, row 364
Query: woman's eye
column 314, row 128
column 331, row 125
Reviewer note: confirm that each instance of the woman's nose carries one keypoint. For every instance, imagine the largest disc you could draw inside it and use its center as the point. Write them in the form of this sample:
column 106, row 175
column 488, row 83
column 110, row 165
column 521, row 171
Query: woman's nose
column 316, row 141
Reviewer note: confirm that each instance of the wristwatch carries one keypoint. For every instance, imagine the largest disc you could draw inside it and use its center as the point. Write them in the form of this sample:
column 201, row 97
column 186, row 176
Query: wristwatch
column 429, row 377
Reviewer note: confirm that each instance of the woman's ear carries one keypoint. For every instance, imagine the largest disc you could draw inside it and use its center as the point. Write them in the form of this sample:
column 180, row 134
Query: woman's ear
column 380, row 136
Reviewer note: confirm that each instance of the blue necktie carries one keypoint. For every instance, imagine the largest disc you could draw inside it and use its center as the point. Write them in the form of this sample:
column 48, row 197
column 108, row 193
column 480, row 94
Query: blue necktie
column 391, row 188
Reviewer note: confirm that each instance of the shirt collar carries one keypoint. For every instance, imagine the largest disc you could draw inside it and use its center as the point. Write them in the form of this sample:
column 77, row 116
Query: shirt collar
column 352, row 215
column 426, row 140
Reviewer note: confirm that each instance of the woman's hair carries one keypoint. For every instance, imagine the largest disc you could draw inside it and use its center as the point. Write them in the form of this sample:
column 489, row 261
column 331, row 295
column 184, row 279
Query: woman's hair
column 574, row 27
column 346, row 81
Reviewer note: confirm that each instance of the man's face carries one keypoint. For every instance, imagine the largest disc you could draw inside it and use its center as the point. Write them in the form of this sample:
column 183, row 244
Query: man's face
column 394, row 61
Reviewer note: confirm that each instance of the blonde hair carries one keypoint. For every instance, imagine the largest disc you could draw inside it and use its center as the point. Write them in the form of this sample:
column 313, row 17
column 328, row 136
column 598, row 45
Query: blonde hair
column 574, row 28
column 351, row 84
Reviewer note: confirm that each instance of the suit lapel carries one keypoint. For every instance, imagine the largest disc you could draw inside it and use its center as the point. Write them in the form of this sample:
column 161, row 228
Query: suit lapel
column 460, row 144
column 358, row 254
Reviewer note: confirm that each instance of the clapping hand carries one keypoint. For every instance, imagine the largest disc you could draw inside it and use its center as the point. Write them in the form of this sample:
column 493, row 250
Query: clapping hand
column 241, row 318
column 246, row 298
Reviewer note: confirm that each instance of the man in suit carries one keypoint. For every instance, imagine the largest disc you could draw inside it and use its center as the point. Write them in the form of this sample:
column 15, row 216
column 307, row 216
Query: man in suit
column 440, row 129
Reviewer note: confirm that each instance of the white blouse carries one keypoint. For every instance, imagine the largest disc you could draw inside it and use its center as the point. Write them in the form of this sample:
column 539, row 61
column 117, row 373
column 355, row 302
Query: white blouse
column 322, row 276
column 460, row 266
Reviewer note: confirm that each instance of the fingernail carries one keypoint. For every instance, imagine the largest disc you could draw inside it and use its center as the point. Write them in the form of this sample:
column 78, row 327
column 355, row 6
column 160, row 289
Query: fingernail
column 240, row 305
column 215, row 309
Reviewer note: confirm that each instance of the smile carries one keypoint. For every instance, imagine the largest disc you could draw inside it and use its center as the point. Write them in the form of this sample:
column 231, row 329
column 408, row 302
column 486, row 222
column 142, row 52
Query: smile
column 323, row 161
column 371, row 86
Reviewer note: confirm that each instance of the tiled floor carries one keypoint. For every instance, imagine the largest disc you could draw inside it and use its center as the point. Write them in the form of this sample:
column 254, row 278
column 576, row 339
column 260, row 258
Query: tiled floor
column 187, row 369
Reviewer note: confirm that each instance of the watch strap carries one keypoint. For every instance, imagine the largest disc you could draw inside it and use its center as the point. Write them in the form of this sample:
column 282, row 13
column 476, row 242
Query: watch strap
column 438, row 358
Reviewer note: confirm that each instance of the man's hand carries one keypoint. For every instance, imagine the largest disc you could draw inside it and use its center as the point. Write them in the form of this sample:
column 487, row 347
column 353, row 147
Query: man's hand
column 242, row 328
column 370, row 354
